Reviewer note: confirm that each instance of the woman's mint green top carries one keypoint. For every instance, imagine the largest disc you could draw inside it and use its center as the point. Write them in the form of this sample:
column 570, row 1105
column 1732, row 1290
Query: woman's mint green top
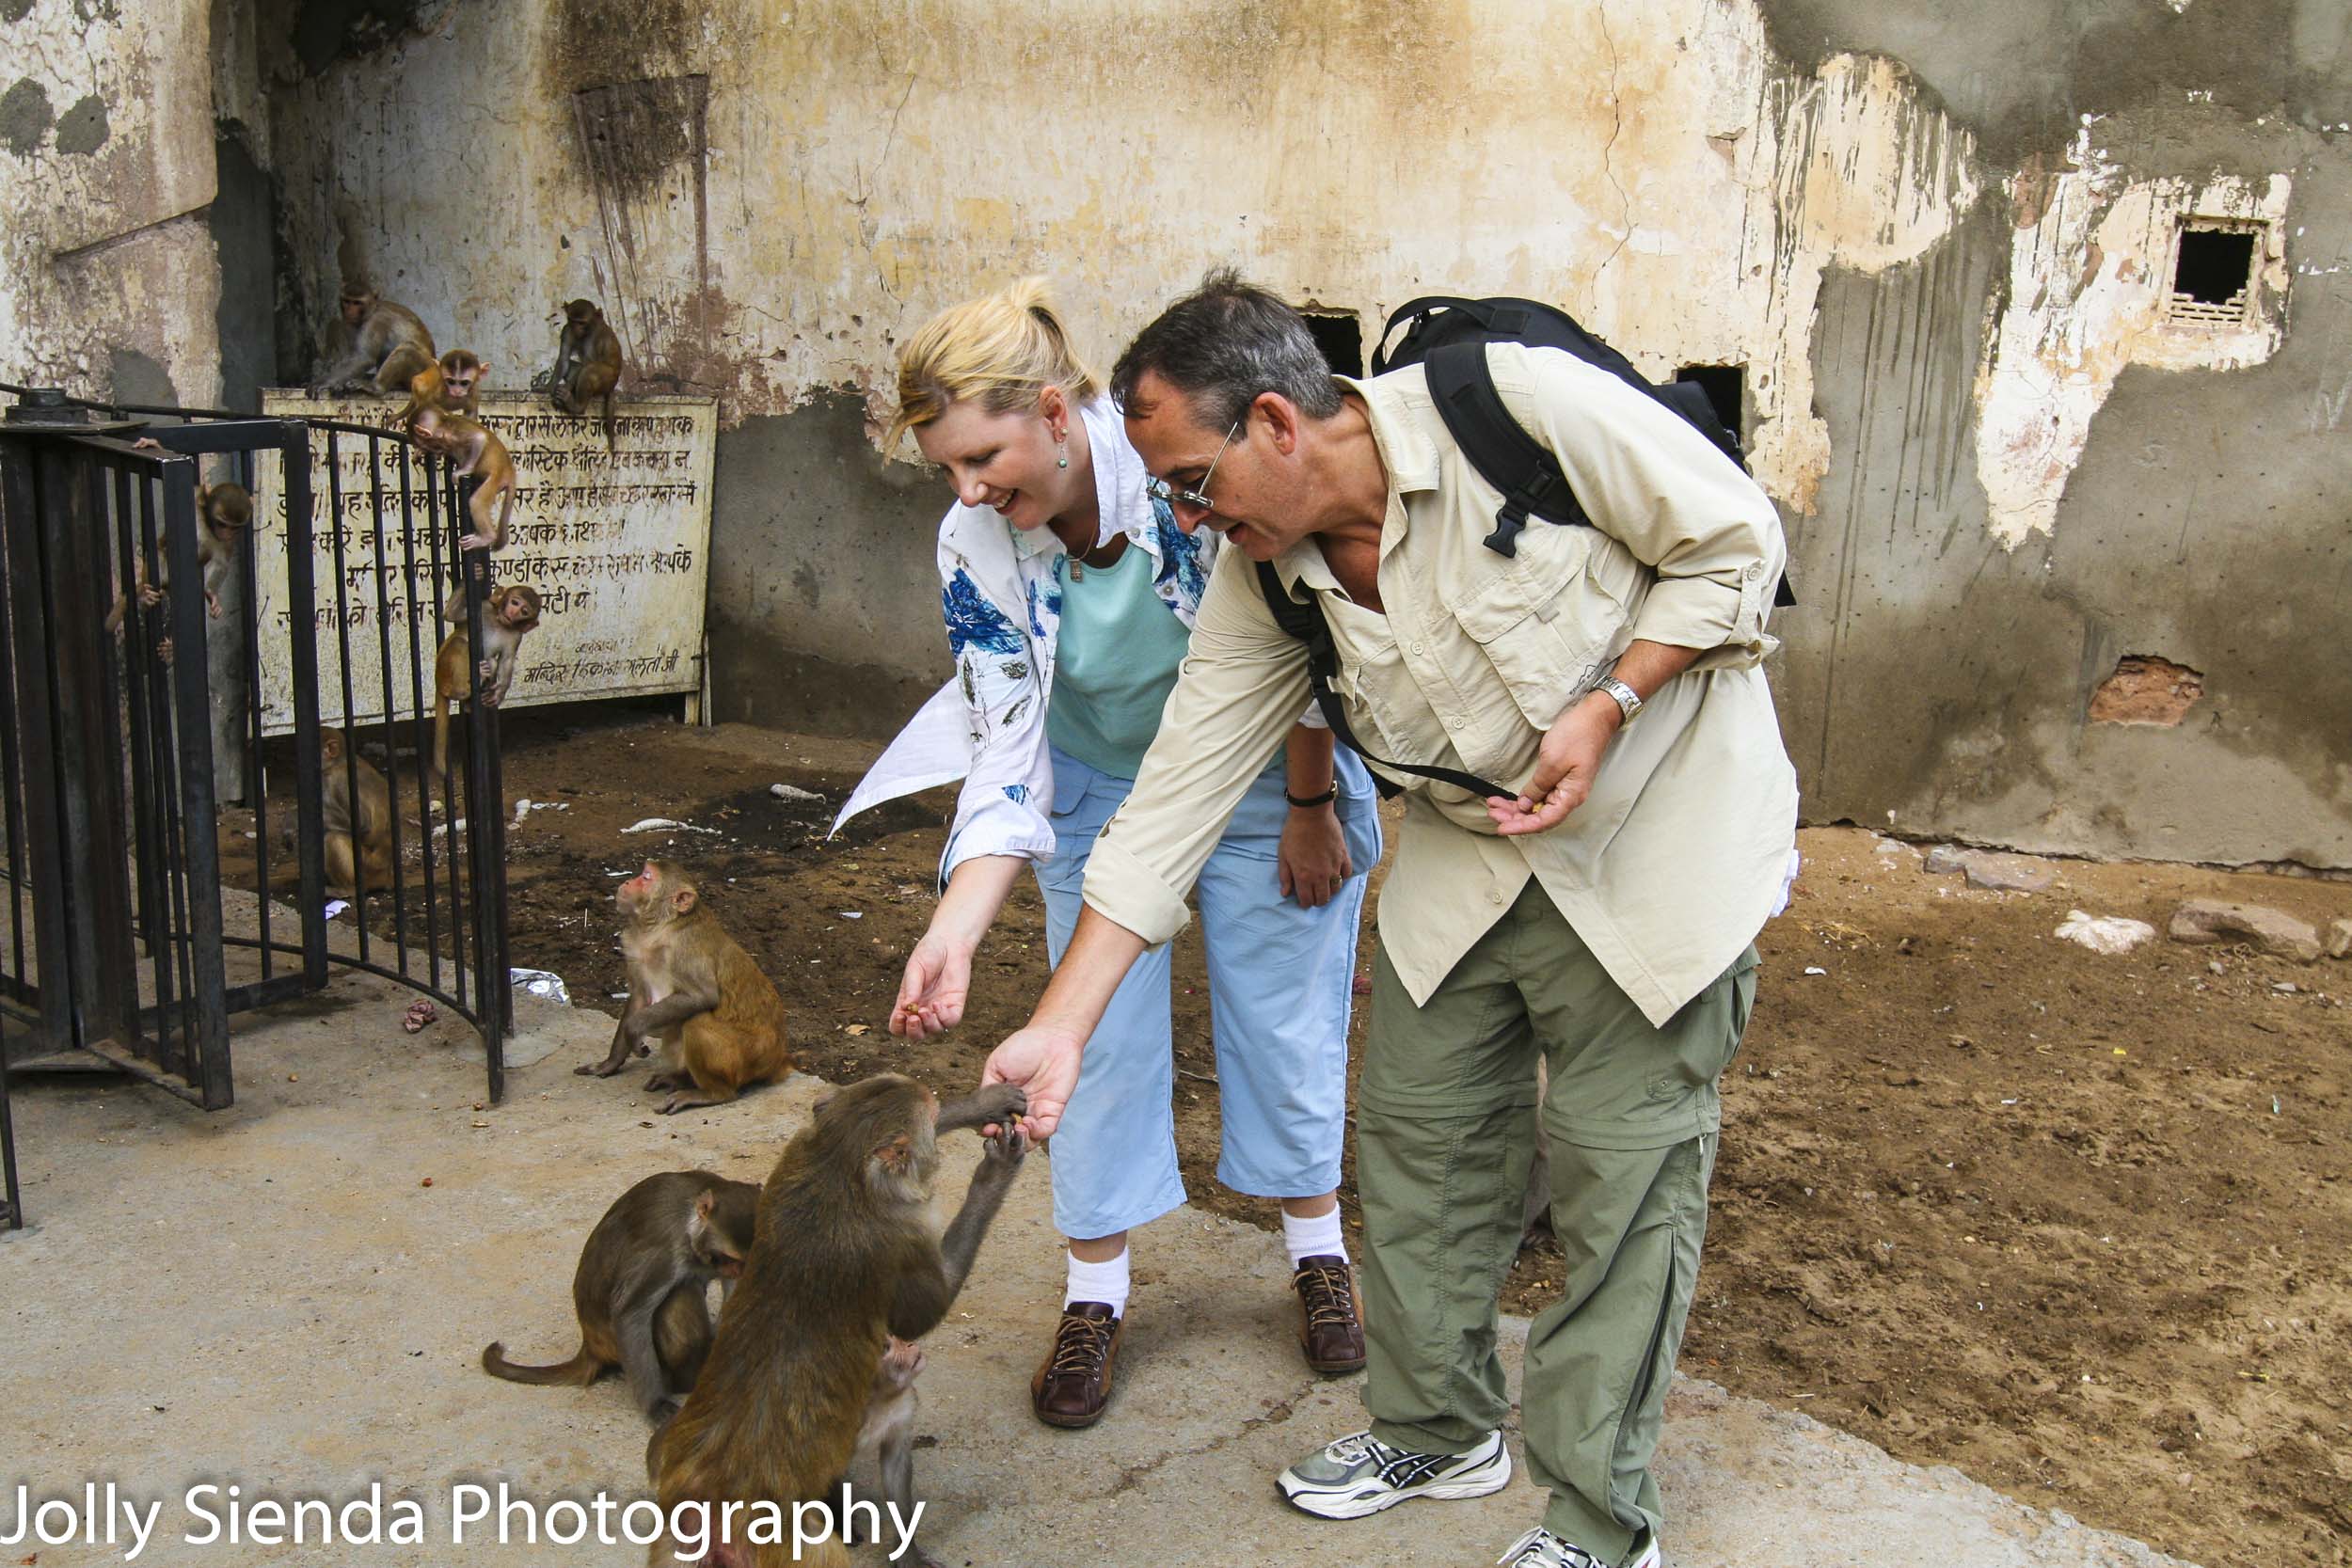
column 1115, row 665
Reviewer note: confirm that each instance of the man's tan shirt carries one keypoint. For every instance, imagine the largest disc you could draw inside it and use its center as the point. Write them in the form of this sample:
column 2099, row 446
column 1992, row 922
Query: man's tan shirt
column 1677, row 857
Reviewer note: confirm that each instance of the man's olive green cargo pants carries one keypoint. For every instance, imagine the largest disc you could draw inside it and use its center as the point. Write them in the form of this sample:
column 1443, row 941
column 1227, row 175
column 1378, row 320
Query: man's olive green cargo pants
column 1443, row 1145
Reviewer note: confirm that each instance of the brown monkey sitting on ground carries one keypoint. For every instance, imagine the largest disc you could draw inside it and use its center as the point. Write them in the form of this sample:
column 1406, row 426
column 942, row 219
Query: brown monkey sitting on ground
column 389, row 346
column 476, row 450
column 587, row 363
column 843, row 1258
column 506, row 614
column 641, row 1287
column 357, row 808
column 692, row 987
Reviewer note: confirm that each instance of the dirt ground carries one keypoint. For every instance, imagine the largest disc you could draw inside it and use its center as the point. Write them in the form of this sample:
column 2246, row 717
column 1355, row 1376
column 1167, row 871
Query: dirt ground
column 2075, row 1224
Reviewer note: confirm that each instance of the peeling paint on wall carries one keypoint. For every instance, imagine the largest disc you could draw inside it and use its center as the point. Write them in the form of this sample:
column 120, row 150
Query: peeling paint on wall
column 2091, row 265
column 103, row 254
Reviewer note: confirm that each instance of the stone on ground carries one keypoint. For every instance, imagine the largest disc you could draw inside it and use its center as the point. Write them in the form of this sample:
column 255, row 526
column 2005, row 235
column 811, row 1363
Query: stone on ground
column 2275, row 931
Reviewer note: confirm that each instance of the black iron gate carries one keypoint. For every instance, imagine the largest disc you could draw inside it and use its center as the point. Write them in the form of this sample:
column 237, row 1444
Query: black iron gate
column 117, row 953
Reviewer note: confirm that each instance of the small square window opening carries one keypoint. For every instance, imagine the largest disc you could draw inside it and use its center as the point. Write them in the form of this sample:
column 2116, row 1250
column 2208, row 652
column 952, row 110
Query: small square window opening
column 1341, row 335
column 2213, row 274
column 1726, row 389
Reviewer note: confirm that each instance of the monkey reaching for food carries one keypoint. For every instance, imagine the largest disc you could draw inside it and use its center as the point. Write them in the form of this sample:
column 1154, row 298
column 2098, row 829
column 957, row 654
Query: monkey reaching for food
column 842, row 1259
column 389, row 347
column 641, row 1287
column 357, row 809
column 507, row 613
column 692, row 987
column 587, row 362
column 476, row 450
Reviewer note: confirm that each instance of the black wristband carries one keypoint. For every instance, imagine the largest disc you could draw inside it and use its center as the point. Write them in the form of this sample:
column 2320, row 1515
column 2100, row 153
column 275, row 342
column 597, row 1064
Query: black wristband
column 1322, row 800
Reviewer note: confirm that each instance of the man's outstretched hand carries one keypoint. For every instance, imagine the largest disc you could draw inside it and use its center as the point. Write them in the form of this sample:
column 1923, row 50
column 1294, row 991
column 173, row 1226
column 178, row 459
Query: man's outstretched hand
column 1045, row 1062
column 1564, row 766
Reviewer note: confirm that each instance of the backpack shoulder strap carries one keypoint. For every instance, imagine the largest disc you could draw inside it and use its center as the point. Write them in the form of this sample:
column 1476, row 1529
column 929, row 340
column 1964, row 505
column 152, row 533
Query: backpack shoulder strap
column 1499, row 447
column 1514, row 462
column 1304, row 621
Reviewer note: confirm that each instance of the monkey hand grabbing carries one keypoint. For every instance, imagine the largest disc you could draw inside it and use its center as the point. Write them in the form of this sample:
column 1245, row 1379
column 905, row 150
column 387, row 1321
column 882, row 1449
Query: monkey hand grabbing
column 478, row 452
column 642, row 1285
column 223, row 516
column 587, row 363
column 692, row 987
column 507, row 613
column 842, row 1259
column 389, row 347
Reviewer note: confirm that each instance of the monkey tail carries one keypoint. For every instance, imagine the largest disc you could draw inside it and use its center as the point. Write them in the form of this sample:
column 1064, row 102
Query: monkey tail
column 609, row 445
column 582, row 1369
column 440, row 742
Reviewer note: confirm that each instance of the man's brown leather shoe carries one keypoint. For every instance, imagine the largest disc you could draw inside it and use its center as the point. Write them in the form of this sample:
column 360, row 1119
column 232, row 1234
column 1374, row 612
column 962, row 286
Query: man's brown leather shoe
column 1329, row 1329
column 1073, row 1386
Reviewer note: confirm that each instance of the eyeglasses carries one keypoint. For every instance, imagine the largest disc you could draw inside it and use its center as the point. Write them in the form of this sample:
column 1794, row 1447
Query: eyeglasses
column 1161, row 490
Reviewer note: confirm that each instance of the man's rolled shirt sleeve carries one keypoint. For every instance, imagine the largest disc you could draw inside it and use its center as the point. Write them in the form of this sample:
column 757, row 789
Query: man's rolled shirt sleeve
column 1652, row 482
column 1238, row 693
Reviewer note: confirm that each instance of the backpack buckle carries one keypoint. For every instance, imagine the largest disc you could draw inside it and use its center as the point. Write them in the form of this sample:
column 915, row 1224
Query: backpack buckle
column 1509, row 519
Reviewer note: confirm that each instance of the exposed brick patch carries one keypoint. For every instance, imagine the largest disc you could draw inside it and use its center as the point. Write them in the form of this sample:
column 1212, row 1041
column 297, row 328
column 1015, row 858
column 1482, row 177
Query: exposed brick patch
column 2146, row 690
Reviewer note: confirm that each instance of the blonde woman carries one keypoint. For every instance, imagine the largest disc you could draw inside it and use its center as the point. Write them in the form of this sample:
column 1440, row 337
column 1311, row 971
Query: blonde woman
column 1069, row 596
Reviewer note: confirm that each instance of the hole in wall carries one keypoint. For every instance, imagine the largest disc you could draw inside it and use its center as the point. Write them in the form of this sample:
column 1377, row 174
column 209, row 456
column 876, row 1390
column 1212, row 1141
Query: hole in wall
column 1726, row 389
column 2213, row 272
column 1341, row 335
column 2146, row 690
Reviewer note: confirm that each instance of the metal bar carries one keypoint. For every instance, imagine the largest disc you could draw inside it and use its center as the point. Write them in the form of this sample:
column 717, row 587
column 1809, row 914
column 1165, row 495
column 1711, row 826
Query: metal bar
column 100, row 946
column 391, row 738
column 453, row 522
column 201, row 851
column 256, row 781
column 294, row 468
column 484, row 812
column 12, row 807
column 384, row 672
column 13, row 1211
column 425, row 778
column 342, row 626
column 155, row 923
column 23, row 490
column 175, row 976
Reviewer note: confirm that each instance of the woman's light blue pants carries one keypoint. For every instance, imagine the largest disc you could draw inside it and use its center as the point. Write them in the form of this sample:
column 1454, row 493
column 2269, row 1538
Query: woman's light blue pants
column 1280, row 988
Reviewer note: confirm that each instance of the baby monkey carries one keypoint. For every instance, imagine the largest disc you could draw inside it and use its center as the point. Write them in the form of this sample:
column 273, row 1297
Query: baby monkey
column 844, row 1260
column 642, row 1285
column 478, row 452
column 507, row 613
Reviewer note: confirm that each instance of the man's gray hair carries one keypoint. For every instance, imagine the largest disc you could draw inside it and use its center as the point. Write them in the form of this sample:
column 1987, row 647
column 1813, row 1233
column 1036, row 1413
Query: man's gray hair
column 1223, row 344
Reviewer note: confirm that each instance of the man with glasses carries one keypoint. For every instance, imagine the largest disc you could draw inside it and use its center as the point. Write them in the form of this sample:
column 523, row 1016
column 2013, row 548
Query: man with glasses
column 1602, row 914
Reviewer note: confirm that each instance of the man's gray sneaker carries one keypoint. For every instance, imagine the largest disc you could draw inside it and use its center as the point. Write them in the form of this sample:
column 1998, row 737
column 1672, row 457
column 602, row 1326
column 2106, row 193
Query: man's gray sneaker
column 1540, row 1548
column 1360, row 1475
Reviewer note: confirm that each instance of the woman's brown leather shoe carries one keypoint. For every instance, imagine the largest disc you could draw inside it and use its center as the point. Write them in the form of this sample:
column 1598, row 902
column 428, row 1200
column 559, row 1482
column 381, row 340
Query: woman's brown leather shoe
column 1074, row 1383
column 1329, row 1329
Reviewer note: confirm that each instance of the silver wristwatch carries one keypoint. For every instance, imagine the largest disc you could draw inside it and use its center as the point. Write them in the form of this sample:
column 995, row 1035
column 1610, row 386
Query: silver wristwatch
column 1629, row 701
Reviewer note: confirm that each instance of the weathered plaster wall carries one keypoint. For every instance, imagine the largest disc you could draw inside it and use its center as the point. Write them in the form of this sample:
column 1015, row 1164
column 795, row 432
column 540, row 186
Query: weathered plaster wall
column 1944, row 282
column 107, row 268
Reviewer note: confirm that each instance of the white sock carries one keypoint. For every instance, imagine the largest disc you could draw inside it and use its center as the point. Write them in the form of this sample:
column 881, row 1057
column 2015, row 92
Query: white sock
column 1103, row 1282
column 1315, row 1237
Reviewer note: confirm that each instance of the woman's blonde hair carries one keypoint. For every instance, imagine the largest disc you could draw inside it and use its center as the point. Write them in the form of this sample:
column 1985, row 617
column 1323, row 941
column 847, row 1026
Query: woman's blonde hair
column 1000, row 351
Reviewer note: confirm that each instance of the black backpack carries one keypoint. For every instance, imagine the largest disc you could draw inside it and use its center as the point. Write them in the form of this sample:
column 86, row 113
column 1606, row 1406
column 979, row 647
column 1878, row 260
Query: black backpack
column 1449, row 337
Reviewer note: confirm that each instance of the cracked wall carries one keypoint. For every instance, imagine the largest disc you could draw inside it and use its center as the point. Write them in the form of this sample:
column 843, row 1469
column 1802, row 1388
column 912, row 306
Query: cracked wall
column 1905, row 232
column 106, row 168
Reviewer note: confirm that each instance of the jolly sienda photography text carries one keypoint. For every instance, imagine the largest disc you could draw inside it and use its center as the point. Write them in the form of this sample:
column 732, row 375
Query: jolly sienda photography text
column 127, row 1522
